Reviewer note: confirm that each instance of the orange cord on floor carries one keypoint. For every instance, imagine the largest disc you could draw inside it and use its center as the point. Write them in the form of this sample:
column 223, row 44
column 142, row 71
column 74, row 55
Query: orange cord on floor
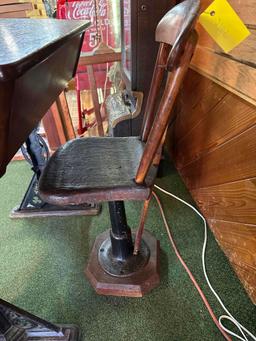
column 206, row 303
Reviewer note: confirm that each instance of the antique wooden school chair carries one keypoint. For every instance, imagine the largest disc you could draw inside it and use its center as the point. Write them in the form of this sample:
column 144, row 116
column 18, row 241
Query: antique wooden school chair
column 114, row 169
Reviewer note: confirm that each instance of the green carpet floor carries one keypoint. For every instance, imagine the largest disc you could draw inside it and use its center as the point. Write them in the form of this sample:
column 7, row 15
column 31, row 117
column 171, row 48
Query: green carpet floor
column 42, row 270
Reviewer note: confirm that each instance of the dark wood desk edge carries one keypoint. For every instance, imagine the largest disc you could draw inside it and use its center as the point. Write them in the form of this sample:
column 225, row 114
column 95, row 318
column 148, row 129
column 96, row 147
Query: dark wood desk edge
column 8, row 71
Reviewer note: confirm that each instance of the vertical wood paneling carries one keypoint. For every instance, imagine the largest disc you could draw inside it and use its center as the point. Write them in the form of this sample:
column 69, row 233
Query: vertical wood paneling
column 233, row 160
column 228, row 118
column 235, row 201
column 238, row 242
column 213, row 144
column 193, row 99
column 244, row 52
column 236, row 70
column 246, row 9
column 236, row 77
column 213, row 141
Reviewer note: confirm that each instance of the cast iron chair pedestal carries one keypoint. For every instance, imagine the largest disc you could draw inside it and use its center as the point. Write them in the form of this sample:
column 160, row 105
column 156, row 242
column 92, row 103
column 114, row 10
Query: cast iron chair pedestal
column 115, row 169
column 113, row 269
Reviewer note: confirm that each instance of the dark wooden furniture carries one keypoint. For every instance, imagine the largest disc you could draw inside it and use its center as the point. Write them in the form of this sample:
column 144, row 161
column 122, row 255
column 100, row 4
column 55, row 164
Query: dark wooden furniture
column 31, row 78
column 115, row 169
column 31, row 73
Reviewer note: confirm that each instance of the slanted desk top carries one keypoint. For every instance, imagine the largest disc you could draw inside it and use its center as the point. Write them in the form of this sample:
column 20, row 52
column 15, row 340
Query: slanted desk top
column 24, row 42
column 37, row 59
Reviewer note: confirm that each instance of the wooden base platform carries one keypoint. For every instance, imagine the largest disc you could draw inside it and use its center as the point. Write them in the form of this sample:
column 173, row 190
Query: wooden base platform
column 135, row 284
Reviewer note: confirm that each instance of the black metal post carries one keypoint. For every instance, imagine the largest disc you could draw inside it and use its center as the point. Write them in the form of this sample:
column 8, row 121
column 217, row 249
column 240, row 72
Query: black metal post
column 120, row 234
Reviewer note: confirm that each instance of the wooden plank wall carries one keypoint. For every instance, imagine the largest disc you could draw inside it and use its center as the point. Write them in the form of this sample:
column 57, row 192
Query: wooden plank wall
column 235, row 71
column 213, row 143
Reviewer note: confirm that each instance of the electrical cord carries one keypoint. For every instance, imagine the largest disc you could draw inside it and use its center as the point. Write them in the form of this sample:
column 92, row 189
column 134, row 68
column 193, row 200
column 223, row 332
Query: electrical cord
column 229, row 316
column 188, row 271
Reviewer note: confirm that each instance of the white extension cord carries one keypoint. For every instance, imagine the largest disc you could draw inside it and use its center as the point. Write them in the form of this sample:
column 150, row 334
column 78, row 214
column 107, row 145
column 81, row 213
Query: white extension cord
column 229, row 316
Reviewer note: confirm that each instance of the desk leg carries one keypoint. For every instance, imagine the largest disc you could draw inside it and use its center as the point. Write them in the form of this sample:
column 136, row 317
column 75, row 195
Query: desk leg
column 36, row 153
column 19, row 325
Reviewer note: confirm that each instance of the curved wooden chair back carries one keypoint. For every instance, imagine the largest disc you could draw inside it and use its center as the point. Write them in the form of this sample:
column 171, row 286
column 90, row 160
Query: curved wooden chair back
column 177, row 38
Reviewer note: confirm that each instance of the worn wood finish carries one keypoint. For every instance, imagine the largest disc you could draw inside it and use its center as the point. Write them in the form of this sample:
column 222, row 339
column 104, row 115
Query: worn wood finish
column 26, row 6
column 54, row 129
column 238, row 241
column 58, row 124
column 244, row 52
column 229, row 162
column 16, row 214
column 21, row 51
column 214, row 150
column 95, row 99
column 234, row 201
column 245, row 9
column 19, row 14
column 234, row 70
column 54, row 135
column 117, row 168
column 236, row 116
column 104, row 171
column 158, row 74
column 236, row 77
column 140, row 230
column 65, row 116
column 177, row 22
column 164, row 112
column 192, row 99
column 175, row 27
column 90, row 58
column 29, row 65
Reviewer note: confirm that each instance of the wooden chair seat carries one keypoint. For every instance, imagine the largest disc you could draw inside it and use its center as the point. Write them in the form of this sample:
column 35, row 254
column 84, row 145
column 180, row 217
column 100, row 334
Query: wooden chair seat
column 115, row 169
column 93, row 170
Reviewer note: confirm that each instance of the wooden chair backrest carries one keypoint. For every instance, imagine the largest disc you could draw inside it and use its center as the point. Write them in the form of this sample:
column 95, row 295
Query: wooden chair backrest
column 177, row 38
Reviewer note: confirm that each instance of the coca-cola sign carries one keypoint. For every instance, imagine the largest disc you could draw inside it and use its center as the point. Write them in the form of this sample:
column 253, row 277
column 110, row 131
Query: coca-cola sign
column 85, row 10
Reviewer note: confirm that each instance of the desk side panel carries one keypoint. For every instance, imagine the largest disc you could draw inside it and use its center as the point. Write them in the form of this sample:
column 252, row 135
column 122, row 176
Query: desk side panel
column 37, row 89
column 6, row 90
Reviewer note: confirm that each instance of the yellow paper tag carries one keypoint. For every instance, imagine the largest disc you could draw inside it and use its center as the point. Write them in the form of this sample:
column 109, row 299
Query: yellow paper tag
column 223, row 25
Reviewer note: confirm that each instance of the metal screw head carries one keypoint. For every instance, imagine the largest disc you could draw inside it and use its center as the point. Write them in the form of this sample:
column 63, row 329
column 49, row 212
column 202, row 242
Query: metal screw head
column 143, row 8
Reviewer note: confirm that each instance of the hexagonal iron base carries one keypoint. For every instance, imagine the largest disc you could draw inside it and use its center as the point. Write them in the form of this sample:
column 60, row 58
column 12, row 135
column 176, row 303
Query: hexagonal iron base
column 137, row 284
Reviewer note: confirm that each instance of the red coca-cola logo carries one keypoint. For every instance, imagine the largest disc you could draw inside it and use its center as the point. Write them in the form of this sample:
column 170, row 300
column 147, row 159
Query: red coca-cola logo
column 85, row 9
